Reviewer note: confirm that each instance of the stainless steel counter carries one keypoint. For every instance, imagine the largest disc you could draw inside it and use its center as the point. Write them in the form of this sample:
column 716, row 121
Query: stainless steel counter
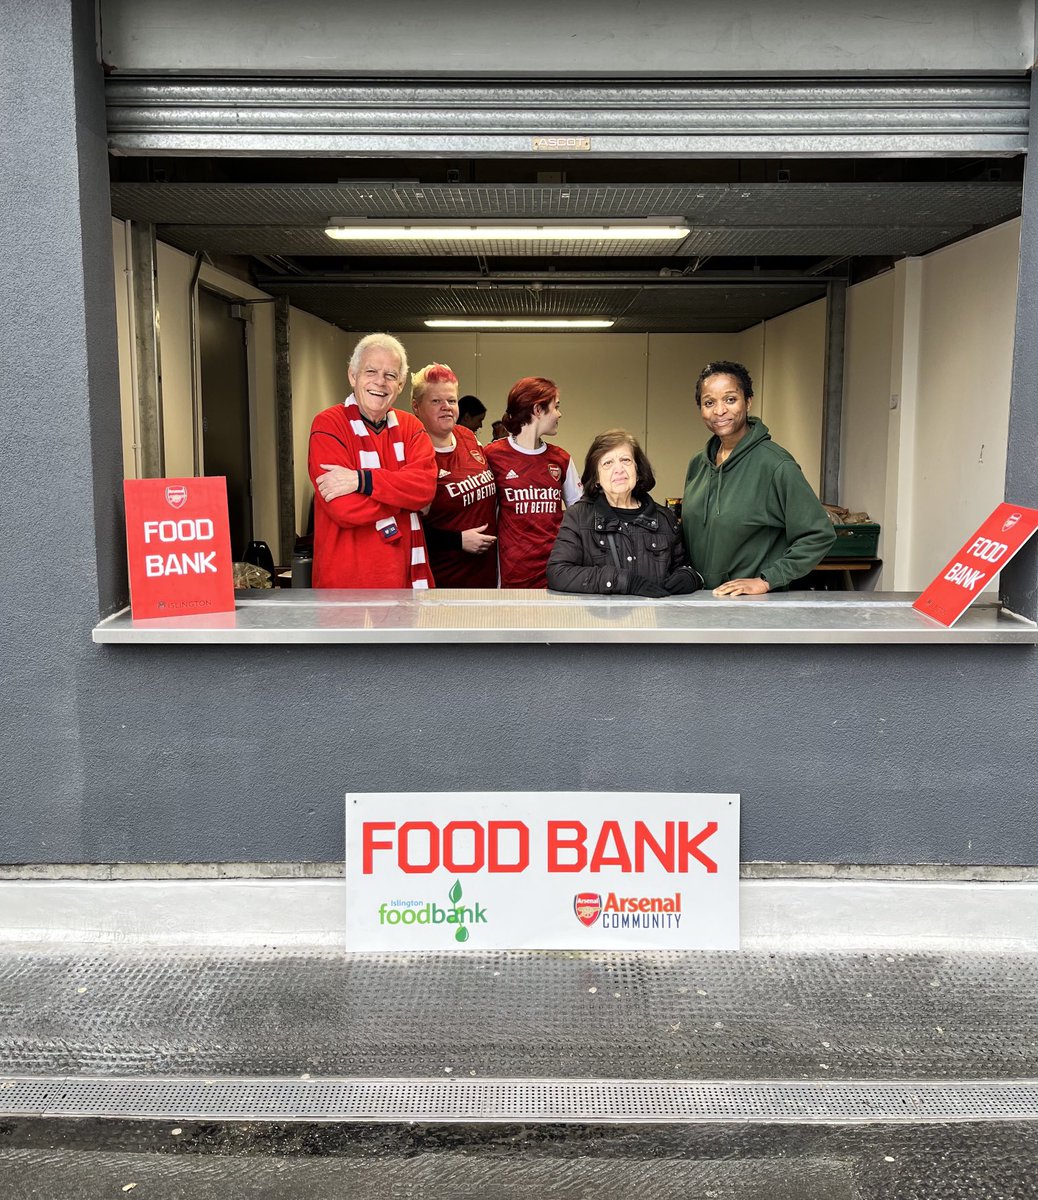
column 445, row 615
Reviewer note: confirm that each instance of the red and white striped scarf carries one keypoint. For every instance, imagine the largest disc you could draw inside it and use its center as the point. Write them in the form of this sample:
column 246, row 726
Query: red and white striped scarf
column 369, row 460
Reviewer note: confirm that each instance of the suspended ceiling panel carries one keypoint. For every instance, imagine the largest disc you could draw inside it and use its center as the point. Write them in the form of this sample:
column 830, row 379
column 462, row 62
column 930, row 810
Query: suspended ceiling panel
column 812, row 241
column 283, row 224
column 746, row 219
column 654, row 308
column 713, row 204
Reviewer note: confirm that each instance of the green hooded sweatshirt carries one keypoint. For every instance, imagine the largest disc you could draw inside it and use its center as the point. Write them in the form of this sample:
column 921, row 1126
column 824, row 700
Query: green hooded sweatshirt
column 754, row 516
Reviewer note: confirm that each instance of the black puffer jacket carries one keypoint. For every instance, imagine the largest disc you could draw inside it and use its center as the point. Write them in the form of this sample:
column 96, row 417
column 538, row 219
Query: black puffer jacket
column 648, row 543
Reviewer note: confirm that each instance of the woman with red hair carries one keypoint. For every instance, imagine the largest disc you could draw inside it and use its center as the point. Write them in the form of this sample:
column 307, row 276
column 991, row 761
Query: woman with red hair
column 461, row 523
column 534, row 480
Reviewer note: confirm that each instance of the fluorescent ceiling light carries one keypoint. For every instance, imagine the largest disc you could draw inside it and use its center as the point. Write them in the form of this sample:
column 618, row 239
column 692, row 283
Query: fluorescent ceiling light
column 632, row 231
column 521, row 323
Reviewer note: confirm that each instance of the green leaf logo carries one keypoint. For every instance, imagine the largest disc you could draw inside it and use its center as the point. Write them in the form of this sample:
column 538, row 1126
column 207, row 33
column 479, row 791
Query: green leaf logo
column 455, row 892
column 462, row 935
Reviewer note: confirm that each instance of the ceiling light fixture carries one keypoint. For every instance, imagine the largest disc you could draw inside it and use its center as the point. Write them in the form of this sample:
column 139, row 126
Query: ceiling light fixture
column 520, row 322
column 394, row 231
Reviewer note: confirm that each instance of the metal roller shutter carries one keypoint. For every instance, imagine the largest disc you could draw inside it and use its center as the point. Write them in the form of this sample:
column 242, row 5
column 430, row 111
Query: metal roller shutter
column 477, row 118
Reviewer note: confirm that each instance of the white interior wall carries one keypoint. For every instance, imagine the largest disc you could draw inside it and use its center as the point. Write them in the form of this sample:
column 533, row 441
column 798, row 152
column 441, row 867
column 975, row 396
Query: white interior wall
column 606, row 380
column 675, row 430
column 174, row 273
column 174, row 270
column 749, row 350
column 124, row 336
column 601, row 379
column 968, row 314
column 318, row 355
column 174, row 292
column 601, row 376
column 461, row 352
column 866, row 397
column 791, row 391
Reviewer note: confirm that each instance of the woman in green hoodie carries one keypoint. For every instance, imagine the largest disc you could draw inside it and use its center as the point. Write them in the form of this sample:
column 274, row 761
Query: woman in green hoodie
column 752, row 524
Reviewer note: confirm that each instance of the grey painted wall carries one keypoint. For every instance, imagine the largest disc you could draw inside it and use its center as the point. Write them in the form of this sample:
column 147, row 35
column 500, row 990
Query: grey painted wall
column 59, row 432
column 848, row 754
column 540, row 37
column 845, row 754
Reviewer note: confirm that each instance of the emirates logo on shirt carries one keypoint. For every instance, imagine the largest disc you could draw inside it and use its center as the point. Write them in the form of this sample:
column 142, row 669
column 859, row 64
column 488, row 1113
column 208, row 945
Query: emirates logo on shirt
column 555, row 472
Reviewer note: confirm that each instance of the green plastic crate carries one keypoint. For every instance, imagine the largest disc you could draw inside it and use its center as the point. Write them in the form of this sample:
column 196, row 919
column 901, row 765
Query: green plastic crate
column 855, row 541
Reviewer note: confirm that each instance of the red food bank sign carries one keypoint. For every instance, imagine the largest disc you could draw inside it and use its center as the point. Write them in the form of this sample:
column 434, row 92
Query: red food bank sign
column 178, row 545
column 985, row 553
column 547, row 870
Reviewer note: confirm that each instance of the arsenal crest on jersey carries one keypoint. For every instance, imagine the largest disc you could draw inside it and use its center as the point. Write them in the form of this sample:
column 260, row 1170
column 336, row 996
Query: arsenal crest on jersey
column 555, row 472
column 588, row 907
column 478, row 456
column 176, row 496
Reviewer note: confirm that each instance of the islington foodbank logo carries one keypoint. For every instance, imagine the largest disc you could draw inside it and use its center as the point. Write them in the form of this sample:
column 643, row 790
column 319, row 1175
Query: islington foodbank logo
column 460, row 917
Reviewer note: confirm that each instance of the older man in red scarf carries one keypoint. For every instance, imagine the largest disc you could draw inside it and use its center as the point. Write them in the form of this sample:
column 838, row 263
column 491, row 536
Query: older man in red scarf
column 373, row 471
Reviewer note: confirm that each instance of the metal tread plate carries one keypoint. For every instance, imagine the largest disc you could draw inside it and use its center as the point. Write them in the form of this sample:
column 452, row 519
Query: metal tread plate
column 218, row 1012
column 556, row 1101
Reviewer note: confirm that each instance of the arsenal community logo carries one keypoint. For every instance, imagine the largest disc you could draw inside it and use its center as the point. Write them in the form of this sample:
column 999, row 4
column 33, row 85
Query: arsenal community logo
column 555, row 472
column 1011, row 521
column 176, row 496
column 588, row 907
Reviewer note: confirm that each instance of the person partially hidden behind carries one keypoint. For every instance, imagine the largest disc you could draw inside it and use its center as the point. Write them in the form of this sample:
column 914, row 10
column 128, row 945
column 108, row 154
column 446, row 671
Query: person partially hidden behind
column 373, row 471
column 471, row 412
column 751, row 521
column 617, row 540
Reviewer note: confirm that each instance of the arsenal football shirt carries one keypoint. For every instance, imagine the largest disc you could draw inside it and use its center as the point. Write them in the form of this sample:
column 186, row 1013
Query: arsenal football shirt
column 532, row 486
column 466, row 497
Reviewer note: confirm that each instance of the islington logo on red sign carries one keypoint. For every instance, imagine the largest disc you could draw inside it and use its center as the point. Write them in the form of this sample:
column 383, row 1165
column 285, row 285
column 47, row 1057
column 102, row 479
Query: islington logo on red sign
column 178, row 546
column 985, row 553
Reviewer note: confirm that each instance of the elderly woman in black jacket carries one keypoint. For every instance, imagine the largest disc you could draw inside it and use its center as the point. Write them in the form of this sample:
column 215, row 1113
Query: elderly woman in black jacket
column 617, row 539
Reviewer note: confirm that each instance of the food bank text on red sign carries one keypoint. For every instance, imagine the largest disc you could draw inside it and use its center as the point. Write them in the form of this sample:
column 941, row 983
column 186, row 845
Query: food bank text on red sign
column 178, row 547
column 985, row 553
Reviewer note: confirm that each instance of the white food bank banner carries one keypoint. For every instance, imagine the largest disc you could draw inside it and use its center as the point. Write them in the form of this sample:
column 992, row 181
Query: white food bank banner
column 546, row 870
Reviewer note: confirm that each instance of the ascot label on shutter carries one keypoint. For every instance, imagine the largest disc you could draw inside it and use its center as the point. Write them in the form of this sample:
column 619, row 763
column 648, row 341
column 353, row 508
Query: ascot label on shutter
column 554, row 143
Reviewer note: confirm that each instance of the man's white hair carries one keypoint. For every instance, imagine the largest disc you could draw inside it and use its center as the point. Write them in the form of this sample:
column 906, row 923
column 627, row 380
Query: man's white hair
column 383, row 341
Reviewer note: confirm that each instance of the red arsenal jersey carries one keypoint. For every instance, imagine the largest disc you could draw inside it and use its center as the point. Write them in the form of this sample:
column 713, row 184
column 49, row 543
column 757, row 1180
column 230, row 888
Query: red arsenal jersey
column 531, row 488
column 466, row 497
